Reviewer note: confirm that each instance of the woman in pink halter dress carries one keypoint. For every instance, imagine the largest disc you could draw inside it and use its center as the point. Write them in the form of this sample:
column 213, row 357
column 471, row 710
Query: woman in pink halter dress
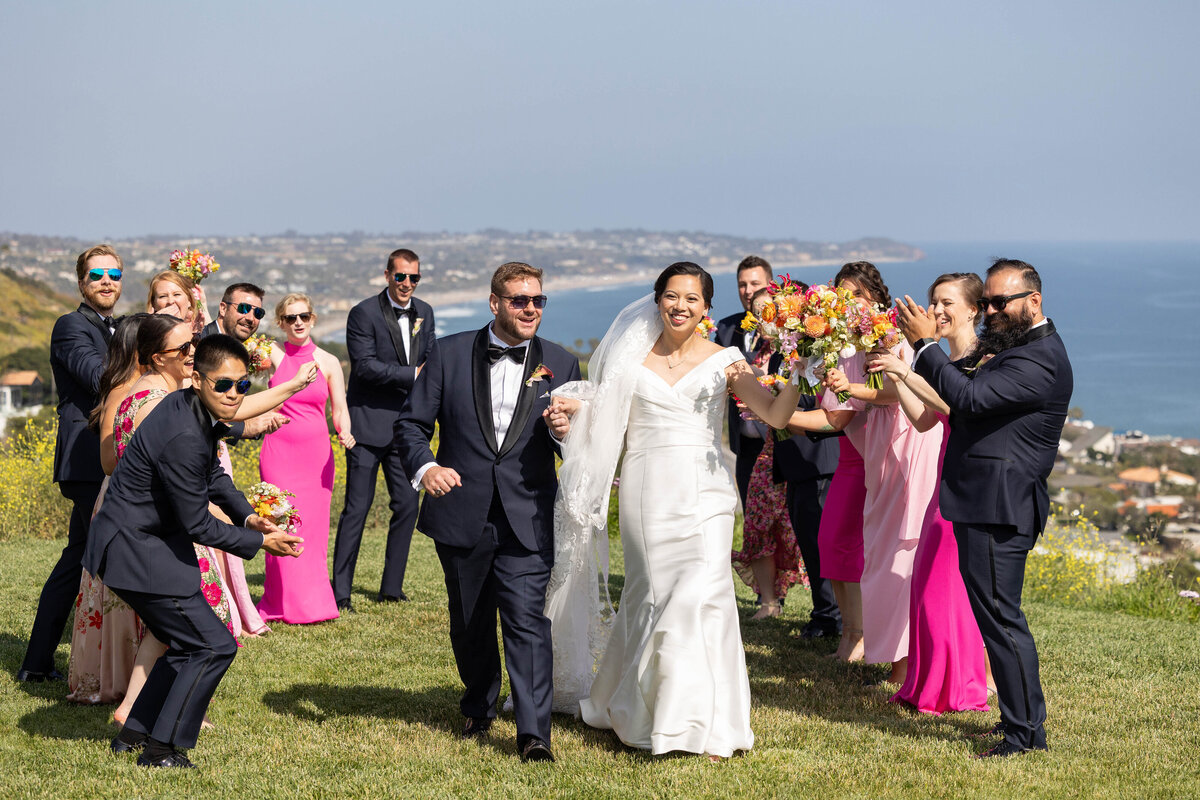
column 298, row 458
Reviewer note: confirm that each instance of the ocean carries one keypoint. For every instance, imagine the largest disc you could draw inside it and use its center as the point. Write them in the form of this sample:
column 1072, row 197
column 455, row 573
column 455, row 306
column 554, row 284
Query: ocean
column 1125, row 311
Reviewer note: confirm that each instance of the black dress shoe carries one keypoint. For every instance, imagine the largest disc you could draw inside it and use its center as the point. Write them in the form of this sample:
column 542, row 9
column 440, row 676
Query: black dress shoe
column 392, row 598
column 172, row 759
column 999, row 729
column 120, row 746
column 476, row 727
column 30, row 676
column 815, row 630
column 345, row 607
column 536, row 750
column 1005, row 749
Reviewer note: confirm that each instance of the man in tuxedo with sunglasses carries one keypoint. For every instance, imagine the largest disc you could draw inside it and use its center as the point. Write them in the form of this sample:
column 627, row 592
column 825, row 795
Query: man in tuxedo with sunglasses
column 1006, row 419
column 388, row 337
column 141, row 547
column 489, row 498
column 78, row 346
column 240, row 312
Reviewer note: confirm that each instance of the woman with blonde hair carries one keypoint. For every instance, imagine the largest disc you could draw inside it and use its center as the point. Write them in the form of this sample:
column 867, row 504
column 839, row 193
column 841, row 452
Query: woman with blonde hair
column 172, row 293
column 298, row 458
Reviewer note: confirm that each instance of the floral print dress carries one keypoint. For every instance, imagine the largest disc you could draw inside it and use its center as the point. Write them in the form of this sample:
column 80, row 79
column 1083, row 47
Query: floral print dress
column 107, row 633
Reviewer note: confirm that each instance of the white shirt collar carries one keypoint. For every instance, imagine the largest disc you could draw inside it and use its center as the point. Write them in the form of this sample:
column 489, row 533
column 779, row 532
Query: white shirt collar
column 496, row 340
column 397, row 305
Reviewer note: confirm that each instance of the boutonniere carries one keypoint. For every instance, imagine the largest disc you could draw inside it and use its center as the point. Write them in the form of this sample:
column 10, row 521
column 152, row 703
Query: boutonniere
column 542, row 371
column 417, row 325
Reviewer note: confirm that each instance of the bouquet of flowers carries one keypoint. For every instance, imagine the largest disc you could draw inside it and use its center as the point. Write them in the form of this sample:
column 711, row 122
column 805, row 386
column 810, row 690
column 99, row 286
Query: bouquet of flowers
column 872, row 329
column 259, row 347
column 271, row 502
column 773, row 384
column 809, row 328
column 706, row 327
column 193, row 265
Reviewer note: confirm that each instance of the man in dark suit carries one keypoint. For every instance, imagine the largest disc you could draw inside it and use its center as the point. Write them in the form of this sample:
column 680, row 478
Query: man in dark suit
column 240, row 312
column 489, row 502
column 78, row 346
column 1005, row 423
column 141, row 547
column 388, row 337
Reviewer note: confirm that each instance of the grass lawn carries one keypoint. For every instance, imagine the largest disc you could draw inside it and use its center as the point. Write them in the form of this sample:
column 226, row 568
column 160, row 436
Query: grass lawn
column 367, row 707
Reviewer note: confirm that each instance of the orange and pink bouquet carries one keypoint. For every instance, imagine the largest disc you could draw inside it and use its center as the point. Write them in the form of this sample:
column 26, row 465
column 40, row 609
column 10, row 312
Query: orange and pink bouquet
column 706, row 328
column 872, row 329
column 773, row 384
column 258, row 347
column 271, row 502
column 193, row 265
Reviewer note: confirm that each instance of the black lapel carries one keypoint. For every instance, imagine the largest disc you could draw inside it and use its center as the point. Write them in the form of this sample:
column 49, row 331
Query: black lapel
column 525, row 399
column 414, row 335
column 1040, row 332
column 389, row 319
column 212, row 433
column 92, row 316
column 481, row 387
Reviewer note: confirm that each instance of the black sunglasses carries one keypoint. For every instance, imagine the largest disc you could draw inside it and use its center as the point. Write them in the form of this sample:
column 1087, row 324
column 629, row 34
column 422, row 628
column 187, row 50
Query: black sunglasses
column 290, row 319
column 223, row 385
column 1001, row 302
column 184, row 349
column 517, row 302
column 97, row 274
column 400, row 277
column 246, row 308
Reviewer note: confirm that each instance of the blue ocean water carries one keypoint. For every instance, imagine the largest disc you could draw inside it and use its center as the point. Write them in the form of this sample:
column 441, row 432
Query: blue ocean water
column 1126, row 312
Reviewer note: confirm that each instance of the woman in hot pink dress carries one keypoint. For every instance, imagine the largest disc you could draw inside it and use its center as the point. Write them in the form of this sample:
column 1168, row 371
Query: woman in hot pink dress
column 298, row 458
column 947, row 665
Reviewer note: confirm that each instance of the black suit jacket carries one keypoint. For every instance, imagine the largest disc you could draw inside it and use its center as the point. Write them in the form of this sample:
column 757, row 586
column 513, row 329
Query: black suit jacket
column 380, row 375
column 1005, row 426
column 805, row 457
column 78, row 347
column 729, row 334
column 454, row 391
column 156, row 505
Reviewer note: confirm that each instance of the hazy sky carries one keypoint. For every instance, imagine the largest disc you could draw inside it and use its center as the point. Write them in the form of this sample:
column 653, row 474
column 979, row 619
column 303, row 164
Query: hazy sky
column 832, row 120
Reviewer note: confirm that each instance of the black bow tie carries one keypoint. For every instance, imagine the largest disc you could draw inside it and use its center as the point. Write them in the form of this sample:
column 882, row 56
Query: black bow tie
column 496, row 352
column 409, row 312
column 108, row 321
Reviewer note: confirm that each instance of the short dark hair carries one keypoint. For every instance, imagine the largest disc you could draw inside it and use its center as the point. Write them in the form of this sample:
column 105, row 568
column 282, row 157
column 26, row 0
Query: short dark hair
column 685, row 268
column 754, row 262
column 119, row 364
column 152, row 336
column 248, row 288
column 215, row 350
column 404, row 253
column 867, row 276
column 513, row 270
column 81, row 266
column 1029, row 275
column 971, row 284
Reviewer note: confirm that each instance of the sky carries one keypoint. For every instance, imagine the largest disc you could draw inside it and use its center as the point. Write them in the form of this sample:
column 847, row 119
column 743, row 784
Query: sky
column 921, row 120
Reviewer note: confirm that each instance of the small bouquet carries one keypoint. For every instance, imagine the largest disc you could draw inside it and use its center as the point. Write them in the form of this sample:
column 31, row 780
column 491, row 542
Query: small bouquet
column 773, row 383
column 193, row 265
column 258, row 347
column 872, row 329
column 271, row 502
column 706, row 328
column 808, row 327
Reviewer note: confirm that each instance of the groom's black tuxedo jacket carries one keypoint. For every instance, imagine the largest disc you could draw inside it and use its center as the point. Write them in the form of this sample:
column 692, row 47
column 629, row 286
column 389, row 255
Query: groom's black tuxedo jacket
column 454, row 391
column 381, row 376
column 156, row 505
column 1005, row 425
column 78, row 347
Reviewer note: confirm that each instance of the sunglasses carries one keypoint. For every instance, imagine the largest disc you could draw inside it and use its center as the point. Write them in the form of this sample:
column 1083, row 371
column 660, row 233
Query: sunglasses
column 223, row 385
column 246, row 308
column 517, row 302
column 401, row 277
column 184, row 349
column 97, row 274
column 290, row 319
column 1001, row 302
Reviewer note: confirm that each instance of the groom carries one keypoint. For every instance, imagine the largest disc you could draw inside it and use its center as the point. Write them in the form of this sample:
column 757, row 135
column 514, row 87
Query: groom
column 489, row 498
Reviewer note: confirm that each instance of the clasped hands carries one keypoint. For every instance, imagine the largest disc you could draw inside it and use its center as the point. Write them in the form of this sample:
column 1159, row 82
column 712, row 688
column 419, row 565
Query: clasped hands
column 275, row 541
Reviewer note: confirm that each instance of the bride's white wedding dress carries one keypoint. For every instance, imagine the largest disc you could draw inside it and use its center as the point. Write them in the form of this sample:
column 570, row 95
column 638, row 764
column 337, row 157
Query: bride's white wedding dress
column 673, row 676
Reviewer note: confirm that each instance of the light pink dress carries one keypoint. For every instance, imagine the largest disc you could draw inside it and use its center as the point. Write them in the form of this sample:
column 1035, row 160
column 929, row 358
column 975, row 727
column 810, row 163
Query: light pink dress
column 946, row 668
column 242, row 613
column 901, row 475
column 298, row 458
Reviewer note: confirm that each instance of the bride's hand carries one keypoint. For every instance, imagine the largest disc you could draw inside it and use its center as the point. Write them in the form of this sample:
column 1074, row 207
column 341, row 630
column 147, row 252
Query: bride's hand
column 558, row 419
column 567, row 405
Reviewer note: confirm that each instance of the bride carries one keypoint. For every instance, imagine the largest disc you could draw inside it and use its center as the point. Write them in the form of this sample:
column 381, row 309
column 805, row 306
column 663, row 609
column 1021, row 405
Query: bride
column 672, row 674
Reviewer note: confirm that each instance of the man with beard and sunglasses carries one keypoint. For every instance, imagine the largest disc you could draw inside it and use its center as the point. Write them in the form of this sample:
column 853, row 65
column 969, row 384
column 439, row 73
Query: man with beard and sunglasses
column 240, row 312
column 1006, row 417
column 489, row 498
column 78, row 346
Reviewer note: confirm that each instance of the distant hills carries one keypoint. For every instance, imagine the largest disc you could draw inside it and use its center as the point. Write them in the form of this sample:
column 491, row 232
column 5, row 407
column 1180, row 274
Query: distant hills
column 30, row 309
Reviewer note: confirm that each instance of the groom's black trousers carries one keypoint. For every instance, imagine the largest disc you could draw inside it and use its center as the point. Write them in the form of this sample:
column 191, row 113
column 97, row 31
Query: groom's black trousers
column 501, row 574
column 992, row 561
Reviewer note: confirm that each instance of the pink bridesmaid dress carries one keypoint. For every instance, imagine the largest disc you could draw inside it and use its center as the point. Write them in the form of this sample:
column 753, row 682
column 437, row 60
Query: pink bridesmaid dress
column 946, row 668
column 242, row 613
column 298, row 458
column 840, row 538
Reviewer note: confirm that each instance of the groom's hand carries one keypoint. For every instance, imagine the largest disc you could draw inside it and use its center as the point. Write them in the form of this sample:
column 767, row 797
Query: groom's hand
column 558, row 421
column 437, row 481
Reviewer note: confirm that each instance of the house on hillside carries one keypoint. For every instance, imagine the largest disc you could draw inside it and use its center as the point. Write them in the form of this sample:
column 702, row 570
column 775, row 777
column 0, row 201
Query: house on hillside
column 1081, row 442
column 1144, row 481
column 19, row 390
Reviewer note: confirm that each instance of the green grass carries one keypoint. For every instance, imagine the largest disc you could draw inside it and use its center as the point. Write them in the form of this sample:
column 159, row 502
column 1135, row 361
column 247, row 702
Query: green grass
column 367, row 707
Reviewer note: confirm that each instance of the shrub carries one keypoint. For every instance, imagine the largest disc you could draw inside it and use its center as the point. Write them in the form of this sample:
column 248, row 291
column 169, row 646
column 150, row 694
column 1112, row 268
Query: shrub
column 30, row 503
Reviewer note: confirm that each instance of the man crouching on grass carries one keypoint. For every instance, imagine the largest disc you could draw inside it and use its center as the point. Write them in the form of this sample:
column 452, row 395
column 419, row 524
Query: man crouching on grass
column 140, row 546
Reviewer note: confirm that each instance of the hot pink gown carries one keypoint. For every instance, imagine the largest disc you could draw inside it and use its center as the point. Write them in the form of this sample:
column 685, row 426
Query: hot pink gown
column 946, row 669
column 840, row 539
column 298, row 458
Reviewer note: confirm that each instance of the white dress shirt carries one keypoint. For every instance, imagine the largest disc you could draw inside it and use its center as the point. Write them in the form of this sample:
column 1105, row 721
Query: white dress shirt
column 404, row 325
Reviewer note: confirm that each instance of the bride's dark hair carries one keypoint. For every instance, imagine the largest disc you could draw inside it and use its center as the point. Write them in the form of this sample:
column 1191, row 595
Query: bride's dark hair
column 685, row 268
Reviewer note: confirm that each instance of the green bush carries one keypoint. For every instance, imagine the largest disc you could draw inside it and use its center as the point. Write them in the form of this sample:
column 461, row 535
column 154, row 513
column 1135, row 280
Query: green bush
column 30, row 503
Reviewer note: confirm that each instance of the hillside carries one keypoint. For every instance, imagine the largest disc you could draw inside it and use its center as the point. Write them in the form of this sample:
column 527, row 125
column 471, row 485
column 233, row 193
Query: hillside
column 31, row 307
